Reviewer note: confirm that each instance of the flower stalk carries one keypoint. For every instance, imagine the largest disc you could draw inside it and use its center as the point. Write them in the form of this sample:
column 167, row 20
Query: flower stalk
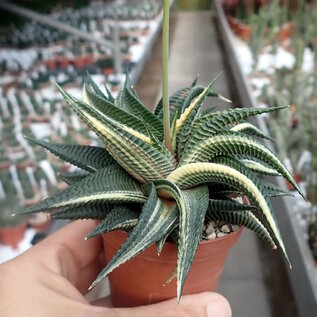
column 165, row 49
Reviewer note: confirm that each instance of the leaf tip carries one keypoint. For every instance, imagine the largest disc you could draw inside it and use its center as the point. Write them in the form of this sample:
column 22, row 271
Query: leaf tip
column 224, row 98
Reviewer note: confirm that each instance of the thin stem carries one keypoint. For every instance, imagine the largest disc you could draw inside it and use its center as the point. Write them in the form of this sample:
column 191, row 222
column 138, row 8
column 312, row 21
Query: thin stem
column 165, row 42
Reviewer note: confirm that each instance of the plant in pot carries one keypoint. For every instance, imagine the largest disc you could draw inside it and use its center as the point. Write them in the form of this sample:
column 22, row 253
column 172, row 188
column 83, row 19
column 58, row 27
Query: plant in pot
column 160, row 178
column 11, row 228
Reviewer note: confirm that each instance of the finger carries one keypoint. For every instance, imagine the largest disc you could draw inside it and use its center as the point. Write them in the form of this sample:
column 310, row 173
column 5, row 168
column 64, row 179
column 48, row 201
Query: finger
column 198, row 305
column 103, row 302
column 72, row 237
column 66, row 252
column 88, row 274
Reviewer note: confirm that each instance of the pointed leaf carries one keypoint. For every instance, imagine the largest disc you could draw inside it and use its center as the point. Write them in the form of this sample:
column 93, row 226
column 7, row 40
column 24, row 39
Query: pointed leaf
column 232, row 143
column 160, row 244
column 107, row 108
column 89, row 82
column 192, row 205
column 89, row 158
column 96, row 211
column 210, row 124
column 259, row 168
column 195, row 174
column 130, row 103
column 242, row 218
column 266, row 187
column 175, row 103
column 227, row 205
column 106, row 185
column 130, row 150
column 190, row 113
column 120, row 218
column 155, row 220
column 249, row 128
column 74, row 177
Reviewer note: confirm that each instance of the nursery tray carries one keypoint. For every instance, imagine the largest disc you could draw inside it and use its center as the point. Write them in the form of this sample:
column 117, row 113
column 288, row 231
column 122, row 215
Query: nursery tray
column 303, row 276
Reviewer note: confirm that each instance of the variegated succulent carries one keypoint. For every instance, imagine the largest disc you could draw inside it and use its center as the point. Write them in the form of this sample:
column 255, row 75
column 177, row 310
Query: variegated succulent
column 134, row 183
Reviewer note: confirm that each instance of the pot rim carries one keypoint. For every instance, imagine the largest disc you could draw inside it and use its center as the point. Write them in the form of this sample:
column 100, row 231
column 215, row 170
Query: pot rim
column 169, row 246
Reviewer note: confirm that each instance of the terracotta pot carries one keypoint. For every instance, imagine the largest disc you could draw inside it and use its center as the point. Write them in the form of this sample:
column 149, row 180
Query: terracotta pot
column 244, row 31
column 89, row 59
column 140, row 281
column 63, row 62
column 108, row 71
column 287, row 31
column 79, row 62
column 51, row 64
column 12, row 235
column 233, row 23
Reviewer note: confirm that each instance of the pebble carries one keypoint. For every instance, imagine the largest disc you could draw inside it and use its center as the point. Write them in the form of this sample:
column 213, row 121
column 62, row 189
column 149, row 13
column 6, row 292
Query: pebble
column 221, row 234
column 210, row 229
column 212, row 236
column 226, row 229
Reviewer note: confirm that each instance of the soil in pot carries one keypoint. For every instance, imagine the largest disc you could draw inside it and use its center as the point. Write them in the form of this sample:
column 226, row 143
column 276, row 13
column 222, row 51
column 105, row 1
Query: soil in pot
column 141, row 281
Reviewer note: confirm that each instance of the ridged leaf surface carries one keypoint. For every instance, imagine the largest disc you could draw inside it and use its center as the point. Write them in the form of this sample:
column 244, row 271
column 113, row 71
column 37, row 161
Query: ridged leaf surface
column 212, row 123
column 96, row 211
column 242, row 218
column 133, row 105
column 133, row 153
column 192, row 205
column 74, row 177
column 107, row 185
column 89, row 158
column 195, row 174
column 231, row 143
column 155, row 220
column 249, row 128
column 120, row 218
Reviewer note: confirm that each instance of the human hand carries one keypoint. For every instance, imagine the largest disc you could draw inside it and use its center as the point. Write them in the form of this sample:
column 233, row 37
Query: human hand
column 51, row 279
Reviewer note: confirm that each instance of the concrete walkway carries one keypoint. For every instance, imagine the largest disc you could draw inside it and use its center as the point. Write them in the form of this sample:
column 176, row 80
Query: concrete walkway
column 195, row 50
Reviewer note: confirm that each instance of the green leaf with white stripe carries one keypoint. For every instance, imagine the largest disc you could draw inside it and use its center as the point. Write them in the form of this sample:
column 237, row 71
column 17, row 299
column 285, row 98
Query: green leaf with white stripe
column 107, row 108
column 242, row 218
column 107, row 185
column 211, row 124
column 175, row 103
column 88, row 158
column 120, row 218
column 160, row 244
column 189, row 114
column 130, row 149
column 191, row 221
column 232, row 143
column 96, row 211
column 192, row 205
column 268, row 188
column 195, row 174
column 133, row 105
column 89, row 82
column 227, row 205
column 251, row 129
column 156, row 219
column 259, row 168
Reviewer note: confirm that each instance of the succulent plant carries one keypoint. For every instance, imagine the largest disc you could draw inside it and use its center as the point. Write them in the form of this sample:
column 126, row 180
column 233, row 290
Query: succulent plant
column 135, row 183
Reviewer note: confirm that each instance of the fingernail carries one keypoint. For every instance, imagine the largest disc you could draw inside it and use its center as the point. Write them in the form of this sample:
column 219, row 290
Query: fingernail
column 216, row 309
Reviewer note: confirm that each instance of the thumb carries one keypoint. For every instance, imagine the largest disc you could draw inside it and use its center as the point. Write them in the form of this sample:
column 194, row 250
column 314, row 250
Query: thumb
column 199, row 305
